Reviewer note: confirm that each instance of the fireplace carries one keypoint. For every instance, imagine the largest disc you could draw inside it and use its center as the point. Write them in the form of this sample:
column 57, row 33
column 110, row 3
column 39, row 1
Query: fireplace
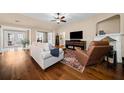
column 111, row 41
column 116, row 41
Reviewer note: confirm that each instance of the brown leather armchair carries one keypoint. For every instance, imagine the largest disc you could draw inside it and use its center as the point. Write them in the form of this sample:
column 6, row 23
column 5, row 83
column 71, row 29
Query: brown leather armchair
column 95, row 53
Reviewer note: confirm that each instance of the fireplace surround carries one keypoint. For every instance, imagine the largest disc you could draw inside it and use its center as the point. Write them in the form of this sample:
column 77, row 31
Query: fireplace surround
column 117, row 43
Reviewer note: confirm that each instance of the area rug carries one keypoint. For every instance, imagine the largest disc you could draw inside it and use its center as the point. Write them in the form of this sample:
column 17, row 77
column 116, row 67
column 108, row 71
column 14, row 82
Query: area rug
column 70, row 59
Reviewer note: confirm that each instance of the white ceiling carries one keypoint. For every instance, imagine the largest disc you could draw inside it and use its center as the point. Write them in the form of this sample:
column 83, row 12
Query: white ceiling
column 70, row 17
column 41, row 20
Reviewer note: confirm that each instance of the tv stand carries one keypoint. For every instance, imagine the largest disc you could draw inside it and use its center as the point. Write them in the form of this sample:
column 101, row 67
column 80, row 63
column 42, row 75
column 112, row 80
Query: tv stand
column 75, row 43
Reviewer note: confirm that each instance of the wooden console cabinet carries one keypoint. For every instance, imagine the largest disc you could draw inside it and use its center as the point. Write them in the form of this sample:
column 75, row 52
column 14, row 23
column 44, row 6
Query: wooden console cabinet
column 75, row 43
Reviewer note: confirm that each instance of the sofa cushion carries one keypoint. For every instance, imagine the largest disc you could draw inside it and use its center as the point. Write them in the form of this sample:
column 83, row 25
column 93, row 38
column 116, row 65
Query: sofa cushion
column 60, row 50
column 46, row 54
column 51, row 46
column 45, row 46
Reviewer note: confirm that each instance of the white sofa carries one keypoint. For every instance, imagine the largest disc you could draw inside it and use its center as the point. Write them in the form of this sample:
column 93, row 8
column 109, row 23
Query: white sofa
column 41, row 54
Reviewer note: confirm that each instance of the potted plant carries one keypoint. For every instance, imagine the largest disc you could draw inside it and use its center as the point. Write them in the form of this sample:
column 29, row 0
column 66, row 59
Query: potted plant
column 25, row 42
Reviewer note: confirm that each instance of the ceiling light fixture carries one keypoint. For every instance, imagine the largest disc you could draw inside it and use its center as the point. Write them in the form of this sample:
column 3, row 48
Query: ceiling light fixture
column 59, row 18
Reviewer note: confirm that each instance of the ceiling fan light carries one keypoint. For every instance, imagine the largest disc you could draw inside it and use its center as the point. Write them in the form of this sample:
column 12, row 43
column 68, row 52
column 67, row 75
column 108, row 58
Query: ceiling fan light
column 58, row 21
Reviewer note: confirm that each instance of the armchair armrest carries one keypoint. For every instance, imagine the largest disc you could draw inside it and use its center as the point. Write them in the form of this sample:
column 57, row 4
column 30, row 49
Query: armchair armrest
column 82, row 56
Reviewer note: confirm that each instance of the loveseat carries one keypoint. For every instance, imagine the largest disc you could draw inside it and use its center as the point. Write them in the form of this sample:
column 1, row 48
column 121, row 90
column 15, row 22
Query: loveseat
column 40, row 52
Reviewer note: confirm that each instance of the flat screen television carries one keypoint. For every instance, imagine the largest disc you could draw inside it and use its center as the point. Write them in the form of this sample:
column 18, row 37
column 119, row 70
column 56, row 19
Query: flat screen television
column 76, row 35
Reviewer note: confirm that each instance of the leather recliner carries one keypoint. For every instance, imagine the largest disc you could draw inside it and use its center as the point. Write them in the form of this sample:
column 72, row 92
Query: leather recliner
column 95, row 53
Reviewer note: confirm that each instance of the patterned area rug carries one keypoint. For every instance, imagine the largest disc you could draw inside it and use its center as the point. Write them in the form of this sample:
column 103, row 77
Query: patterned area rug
column 70, row 59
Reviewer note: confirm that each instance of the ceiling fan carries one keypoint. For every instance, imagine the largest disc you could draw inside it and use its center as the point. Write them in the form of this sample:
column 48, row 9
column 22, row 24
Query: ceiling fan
column 59, row 18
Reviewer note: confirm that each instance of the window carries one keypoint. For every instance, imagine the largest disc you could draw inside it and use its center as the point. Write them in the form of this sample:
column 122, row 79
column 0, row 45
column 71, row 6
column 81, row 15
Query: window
column 39, row 36
column 19, row 37
column 44, row 37
column 50, row 37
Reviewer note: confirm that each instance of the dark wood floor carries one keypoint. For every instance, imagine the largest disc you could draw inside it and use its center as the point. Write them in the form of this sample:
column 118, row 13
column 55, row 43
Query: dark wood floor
column 20, row 66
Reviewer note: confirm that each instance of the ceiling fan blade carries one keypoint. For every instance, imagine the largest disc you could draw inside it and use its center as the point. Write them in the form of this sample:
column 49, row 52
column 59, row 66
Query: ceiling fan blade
column 53, row 20
column 55, row 17
column 63, row 20
column 62, row 17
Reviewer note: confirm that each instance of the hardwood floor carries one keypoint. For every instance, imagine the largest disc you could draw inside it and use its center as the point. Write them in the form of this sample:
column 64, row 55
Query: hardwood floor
column 20, row 66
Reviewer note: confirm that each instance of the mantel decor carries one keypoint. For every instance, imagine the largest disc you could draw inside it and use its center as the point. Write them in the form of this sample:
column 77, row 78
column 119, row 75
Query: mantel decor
column 101, row 32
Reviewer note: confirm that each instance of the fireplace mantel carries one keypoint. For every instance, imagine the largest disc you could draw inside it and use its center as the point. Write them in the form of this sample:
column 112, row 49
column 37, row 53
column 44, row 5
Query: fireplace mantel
column 118, row 45
column 100, row 37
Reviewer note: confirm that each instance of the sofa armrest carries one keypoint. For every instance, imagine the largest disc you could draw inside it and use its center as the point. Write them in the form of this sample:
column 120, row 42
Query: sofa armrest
column 36, row 50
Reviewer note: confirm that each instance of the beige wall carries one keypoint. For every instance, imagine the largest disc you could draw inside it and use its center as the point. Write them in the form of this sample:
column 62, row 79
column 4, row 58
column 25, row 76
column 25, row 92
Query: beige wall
column 122, row 31
column 0, row 37
column 110, row 25
column 88, row 26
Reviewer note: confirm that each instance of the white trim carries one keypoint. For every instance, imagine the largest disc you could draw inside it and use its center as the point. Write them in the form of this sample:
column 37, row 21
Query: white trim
column 14, row 28
column 114, row 34
column 30, row 36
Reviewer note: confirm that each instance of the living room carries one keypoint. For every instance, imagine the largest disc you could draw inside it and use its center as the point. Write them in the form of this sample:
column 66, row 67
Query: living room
column 61, row 46
column 18, row 36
